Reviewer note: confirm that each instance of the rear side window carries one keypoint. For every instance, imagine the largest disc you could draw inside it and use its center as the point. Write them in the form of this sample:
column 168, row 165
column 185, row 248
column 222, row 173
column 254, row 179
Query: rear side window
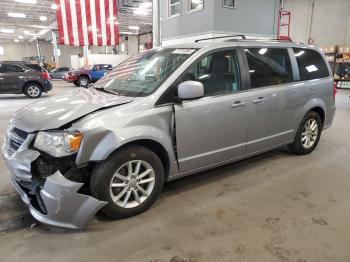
column 269, row 66
column 10, row 69
column 311, row 64
column 35, row 67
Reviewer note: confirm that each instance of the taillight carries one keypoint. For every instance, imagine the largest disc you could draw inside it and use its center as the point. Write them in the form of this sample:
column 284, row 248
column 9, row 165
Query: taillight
column 46, row 75
column 334, row 88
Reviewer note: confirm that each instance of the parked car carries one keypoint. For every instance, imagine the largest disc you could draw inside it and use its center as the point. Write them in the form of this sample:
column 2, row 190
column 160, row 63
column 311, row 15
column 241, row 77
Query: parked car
column 59, row 73
column 21, row 77
column 162, row 115
column 85, row 76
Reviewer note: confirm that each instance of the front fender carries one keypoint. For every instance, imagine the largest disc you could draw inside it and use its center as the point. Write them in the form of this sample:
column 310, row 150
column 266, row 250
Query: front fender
column 98, row 144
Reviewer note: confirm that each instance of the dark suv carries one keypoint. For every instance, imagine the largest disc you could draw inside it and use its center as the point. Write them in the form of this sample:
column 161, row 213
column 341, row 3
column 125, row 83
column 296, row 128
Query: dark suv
column 22, row 77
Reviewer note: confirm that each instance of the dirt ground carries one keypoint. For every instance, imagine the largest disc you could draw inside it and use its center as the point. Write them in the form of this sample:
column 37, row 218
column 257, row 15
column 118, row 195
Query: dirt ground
column 273, row 207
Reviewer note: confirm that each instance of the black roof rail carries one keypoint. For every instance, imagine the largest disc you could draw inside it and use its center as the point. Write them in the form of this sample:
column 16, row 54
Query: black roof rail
column 270, row 39
column 281, row 40
column 218, row 37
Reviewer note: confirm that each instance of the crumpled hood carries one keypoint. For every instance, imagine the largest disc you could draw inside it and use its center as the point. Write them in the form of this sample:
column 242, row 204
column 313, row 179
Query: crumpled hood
column 58, row 110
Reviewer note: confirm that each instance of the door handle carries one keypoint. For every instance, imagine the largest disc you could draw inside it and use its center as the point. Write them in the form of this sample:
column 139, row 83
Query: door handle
column 259, row 100
column 238, row 104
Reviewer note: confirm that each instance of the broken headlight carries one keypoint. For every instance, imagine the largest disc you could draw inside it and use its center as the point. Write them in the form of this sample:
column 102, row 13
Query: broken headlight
column 58, row 144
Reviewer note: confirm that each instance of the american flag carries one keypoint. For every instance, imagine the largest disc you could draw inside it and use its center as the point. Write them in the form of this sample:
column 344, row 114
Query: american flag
column 87, row 22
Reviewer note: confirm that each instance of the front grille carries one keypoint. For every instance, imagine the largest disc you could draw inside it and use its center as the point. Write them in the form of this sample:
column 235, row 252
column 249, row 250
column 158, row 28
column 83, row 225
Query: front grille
column 20, row 133
column 15, row 138
column 14, row 144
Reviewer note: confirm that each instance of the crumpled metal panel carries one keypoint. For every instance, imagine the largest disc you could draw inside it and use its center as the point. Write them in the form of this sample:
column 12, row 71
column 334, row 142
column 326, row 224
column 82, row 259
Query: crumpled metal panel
column 65, row 207
column 20, row 162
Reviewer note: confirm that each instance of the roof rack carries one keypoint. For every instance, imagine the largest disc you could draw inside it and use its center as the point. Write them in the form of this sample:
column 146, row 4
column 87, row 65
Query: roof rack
column 218, row 37
column 282, row 40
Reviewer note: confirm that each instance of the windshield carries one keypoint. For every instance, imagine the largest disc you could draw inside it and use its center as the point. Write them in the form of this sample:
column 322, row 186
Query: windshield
column 143, row 73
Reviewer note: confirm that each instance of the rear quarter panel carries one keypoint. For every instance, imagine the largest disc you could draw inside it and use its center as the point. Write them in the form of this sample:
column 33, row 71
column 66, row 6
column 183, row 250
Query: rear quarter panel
column 319, row 93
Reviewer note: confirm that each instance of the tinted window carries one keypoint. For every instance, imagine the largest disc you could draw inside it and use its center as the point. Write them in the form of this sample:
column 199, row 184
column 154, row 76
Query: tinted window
column 35, row 67
column 311, row 64
column 98, row 68
column 10, row 69
column 269, row 66
column 218, row 72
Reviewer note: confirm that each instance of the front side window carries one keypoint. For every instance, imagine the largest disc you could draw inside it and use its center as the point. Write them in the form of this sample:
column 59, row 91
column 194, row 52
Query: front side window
column 194, row 5
column 218, row 72
column 229, row 3
column 269, row 66
column 311, row 64
column 143, row 73
column 174, row 7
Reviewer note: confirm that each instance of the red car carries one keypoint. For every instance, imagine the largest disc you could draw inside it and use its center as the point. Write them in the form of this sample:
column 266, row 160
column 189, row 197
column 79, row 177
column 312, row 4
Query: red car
column 85, row 76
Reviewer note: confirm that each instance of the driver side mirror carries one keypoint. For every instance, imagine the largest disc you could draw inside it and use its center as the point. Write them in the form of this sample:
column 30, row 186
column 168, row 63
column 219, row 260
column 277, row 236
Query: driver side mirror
column 190, row 90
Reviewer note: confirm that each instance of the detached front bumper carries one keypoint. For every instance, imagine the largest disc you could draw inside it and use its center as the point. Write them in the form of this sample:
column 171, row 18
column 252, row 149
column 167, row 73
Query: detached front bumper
column 56, row 201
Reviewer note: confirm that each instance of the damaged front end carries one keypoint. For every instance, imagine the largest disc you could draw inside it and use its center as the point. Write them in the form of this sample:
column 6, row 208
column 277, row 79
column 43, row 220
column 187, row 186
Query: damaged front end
column 52, row 194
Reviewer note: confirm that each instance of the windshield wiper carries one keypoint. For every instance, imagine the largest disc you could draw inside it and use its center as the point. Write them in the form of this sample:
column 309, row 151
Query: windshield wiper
column 106, row 90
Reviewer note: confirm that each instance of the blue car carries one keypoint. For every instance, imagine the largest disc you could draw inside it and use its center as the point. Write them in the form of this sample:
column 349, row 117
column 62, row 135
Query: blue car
column 85, row 76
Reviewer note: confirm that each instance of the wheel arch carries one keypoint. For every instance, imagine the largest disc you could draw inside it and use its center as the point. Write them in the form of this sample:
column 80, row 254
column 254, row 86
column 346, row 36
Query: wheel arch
column 319, row 110
column 85, row 75
column 314, row 104
column 156, row 148
column 99, row 144
column 32, row 82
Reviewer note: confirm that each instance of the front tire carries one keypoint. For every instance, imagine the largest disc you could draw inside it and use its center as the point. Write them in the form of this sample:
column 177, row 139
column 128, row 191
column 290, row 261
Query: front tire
column 76, row 83
column 308, row 134
column 84, row 81
column 33, row 90
column 130, row 181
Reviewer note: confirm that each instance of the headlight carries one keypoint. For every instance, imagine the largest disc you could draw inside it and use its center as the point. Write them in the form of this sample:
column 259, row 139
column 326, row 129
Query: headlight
column 58, row 144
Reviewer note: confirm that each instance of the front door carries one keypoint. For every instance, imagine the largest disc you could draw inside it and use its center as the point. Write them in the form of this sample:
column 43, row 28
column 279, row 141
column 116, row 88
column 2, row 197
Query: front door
column 97, row 72
column 212, row 129
column 275, row 99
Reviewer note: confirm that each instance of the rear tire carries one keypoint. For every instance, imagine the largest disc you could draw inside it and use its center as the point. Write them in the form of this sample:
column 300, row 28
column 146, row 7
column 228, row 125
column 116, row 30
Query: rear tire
column 84, row 81
column 127, row 172
column 32, row 90
column 308, row 134
column 76, row 83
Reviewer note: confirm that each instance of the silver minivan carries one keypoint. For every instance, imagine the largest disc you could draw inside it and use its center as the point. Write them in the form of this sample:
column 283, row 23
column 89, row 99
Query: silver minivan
column 161, row 115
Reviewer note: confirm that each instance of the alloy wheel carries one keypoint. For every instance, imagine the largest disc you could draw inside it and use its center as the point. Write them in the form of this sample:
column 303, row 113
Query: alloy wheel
column 310, row 133
column 84, row 82
column 132, row 184
column 33, row 91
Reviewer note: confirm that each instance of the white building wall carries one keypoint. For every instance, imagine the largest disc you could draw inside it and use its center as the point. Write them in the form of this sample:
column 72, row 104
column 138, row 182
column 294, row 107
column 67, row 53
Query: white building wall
column 330, row 24
column 17, row 51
